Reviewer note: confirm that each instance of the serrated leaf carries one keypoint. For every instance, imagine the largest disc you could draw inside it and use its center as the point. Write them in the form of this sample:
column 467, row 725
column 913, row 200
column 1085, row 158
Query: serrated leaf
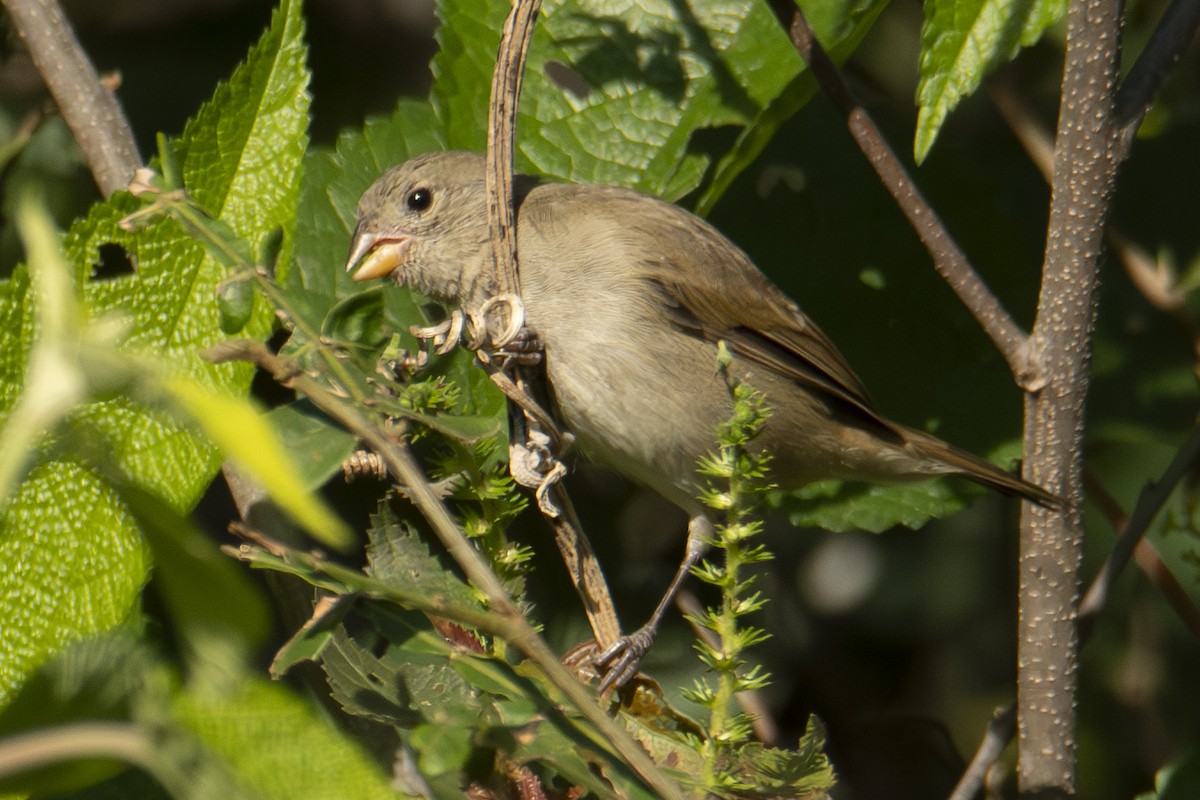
column 398, row 557
column 240, row 155
column 82, row 560
column 961, row 42
column 641, row 80
column 393, row 669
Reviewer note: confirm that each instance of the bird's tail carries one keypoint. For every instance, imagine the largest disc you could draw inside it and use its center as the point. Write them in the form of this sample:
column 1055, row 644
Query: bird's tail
column 968, row 465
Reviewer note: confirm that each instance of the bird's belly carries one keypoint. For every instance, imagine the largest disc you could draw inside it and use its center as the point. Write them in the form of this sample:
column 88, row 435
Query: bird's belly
column 640, row 413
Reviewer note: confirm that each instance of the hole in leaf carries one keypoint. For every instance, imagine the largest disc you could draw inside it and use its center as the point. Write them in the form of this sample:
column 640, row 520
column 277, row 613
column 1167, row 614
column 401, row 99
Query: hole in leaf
column 114, row 261
column 567, row 78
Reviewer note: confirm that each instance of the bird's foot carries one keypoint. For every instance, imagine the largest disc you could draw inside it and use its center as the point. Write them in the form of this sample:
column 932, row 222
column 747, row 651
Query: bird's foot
column 620, row 662
column 532, row 464
column 524, row 349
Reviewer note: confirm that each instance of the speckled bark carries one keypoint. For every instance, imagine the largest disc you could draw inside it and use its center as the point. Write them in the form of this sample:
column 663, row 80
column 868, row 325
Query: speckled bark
column 91, row 111
column 1084, row 174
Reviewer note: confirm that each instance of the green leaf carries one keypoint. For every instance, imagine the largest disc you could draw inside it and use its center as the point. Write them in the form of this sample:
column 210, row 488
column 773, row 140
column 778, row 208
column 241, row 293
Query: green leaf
column 334, row 180
column 241, row 430
column 841, row 506
column 840, row 26
column 618, row 98
column 388, row 671
column 104, row 705
column 279, row 746
column 961, row 42
column 221, row 617
column 95, row 680
column 318, row 447
column 79, row 551
column 1180, row 779
column 398, row 557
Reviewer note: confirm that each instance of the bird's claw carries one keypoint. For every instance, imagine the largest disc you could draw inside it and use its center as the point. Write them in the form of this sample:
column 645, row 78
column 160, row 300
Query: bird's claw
column 620, row 662
column 524, row 349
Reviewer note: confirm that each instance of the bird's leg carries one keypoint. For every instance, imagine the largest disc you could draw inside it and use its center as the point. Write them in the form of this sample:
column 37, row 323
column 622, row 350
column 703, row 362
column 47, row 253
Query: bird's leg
column 621, row 660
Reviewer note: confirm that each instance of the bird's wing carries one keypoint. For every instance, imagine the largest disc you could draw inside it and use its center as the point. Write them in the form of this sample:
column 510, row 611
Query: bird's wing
column 710, row 289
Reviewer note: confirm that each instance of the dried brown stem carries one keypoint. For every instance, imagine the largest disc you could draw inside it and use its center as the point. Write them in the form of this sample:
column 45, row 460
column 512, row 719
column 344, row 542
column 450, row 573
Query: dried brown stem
column 91, row 110
column 948, row 258
column 581, row 561
column 502, row 113
column 1051, row 539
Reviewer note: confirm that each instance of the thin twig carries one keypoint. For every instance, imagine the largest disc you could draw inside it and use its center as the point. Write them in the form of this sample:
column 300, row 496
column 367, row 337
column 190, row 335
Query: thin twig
column 1132, row 531
column 92, row 111
column 948, row 258
column 404, row 468
column 1172, row 36
column 126, row 742
column 1000, row 730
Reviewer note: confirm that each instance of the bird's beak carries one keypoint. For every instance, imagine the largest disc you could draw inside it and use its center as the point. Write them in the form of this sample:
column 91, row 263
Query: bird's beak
column 374, row 255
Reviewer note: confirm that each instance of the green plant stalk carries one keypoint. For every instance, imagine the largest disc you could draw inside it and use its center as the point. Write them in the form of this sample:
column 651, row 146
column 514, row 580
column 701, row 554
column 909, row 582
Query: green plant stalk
column 742, row 472
column 723, row 697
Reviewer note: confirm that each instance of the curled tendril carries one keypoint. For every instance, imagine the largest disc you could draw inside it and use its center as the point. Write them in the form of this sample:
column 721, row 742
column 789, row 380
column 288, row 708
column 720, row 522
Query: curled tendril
column 480, row 336
column 444, row 336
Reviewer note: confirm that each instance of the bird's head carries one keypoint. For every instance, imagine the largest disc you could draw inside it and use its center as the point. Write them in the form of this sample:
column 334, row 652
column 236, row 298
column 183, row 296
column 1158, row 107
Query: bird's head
column 424, row 224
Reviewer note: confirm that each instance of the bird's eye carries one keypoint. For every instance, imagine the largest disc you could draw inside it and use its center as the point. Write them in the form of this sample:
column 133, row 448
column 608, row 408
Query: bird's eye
column 419, row 199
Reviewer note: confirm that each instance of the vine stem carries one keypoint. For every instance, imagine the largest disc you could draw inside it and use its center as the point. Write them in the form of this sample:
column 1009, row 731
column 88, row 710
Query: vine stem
column 581, row 561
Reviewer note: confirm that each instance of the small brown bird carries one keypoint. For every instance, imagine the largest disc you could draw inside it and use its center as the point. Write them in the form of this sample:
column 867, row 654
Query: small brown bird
column 629, row 296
